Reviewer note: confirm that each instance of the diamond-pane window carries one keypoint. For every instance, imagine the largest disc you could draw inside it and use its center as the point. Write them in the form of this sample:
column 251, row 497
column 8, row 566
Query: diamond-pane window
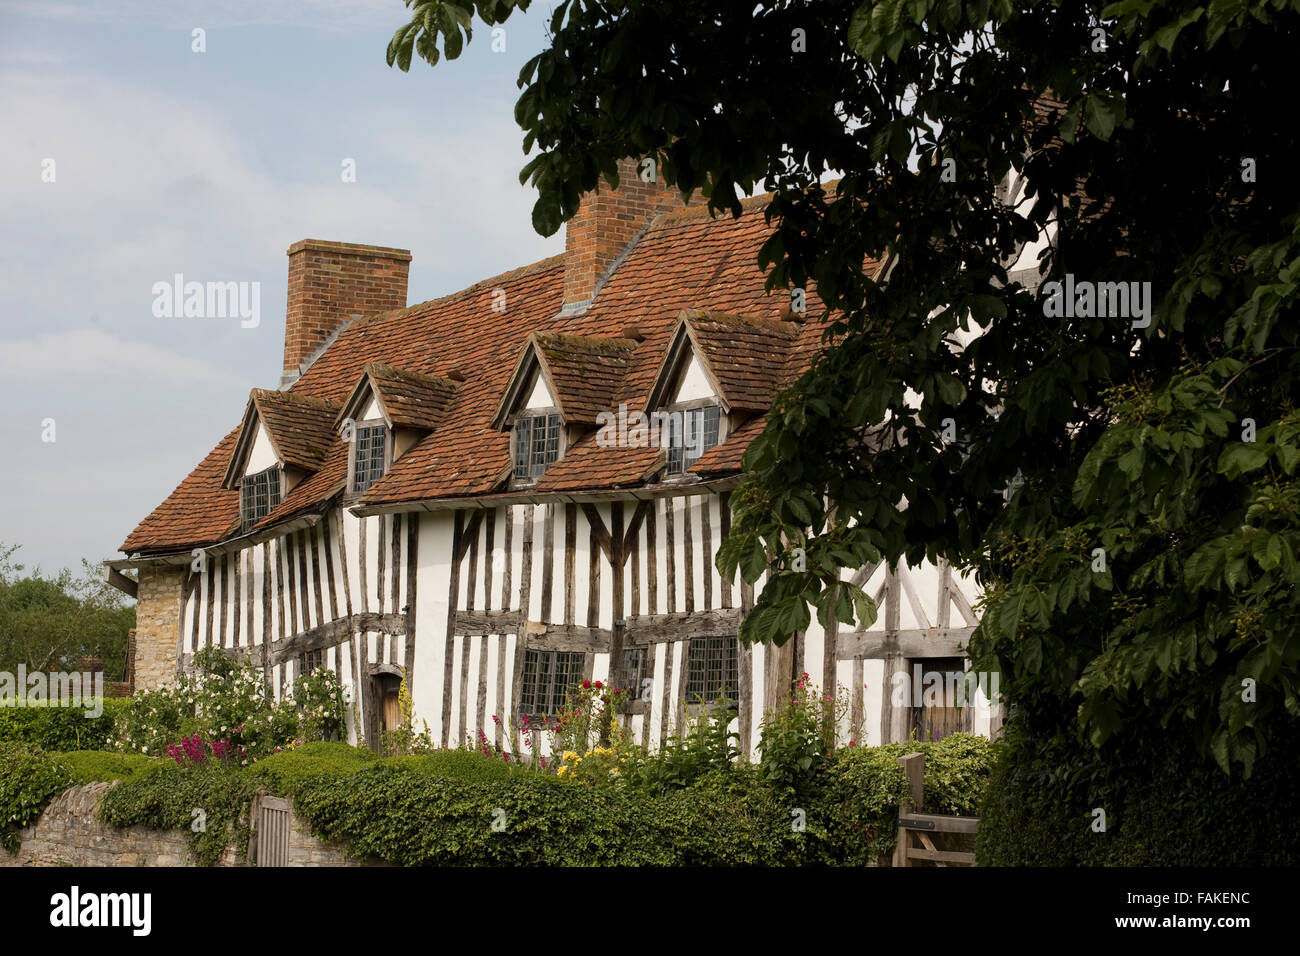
column 368, row 456
column 711, row 670
column 547, row 676
column 692, row 432
column 259, row 495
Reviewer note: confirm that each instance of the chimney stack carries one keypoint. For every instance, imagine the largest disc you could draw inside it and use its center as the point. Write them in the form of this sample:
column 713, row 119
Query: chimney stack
column 605, row 225
column 331, row 282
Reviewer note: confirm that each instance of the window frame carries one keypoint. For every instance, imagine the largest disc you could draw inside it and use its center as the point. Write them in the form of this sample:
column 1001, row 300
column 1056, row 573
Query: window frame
column 369, row 425
column 677, row 465
column 248, row 520
column 531, row 415
column 531, row 691
column 729, row 661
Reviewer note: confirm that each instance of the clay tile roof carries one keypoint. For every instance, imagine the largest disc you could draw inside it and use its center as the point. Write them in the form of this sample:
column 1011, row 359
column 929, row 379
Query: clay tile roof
column 409, row 399
column 589, row 465
column 747, row 356
column 725, row 459
column 684, row 261
column 301, row 427
column 586, row 371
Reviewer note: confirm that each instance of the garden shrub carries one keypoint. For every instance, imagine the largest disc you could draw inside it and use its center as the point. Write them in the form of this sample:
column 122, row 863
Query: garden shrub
column 226, row 700
column 29, row 779
column 61, row 727
column 866, row 786
column 1165, row 803
column 411, row 818
column 281, row 773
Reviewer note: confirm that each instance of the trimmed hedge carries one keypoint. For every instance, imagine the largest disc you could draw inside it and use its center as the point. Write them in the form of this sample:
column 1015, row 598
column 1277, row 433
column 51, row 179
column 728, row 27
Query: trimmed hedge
column 1165, row 805
column 61, row 728
column 94, row 766
column 415, row 819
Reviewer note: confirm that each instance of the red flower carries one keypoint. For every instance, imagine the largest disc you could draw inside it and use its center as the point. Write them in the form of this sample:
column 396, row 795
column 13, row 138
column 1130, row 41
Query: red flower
column 586, row 685
column 597, row 685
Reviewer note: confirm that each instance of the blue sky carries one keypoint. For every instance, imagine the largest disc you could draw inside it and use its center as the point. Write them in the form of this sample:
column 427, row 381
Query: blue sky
column 211, row 165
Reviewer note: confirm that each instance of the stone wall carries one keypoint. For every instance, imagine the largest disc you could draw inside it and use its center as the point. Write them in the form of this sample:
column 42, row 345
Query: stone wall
column 70, row 833
column 157, row 625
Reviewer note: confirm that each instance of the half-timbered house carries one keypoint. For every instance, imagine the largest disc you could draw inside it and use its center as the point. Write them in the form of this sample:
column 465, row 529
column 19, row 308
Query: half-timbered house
column 501, row 492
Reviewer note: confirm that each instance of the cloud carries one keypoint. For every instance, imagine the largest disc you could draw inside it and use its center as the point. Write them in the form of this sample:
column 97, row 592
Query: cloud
column 317, row 14
column 93, row 354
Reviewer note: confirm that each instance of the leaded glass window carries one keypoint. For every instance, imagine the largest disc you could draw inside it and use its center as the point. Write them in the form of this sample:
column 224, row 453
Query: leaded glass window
column 692, row 432
column 711, row 670
column 368, row 455
column 259, row 495
column 537, row 444
column 547, row 676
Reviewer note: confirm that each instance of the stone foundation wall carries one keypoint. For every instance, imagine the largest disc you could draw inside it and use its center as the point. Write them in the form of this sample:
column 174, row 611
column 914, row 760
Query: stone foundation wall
column 70, row 833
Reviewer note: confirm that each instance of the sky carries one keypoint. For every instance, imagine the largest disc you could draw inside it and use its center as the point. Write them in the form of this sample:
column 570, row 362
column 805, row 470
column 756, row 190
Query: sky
column 127, row 157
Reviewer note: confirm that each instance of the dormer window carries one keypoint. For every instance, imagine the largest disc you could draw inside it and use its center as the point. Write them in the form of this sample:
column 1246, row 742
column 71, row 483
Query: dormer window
column 536, row 438
column 693, row 431
column 369, row 455
column 259, row 494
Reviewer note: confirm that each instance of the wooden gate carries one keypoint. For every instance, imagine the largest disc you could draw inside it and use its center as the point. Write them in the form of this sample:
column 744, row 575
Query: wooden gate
column 271, row 825
column 930, row 839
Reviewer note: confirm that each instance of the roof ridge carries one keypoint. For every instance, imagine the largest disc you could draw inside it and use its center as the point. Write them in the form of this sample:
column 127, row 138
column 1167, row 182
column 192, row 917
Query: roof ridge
column 541, row 265
column 621, row 342
column 301, row 398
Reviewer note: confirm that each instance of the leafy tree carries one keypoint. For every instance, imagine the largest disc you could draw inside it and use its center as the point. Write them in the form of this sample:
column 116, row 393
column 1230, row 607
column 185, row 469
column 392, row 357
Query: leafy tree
column 47, row 623
column 1150, row 136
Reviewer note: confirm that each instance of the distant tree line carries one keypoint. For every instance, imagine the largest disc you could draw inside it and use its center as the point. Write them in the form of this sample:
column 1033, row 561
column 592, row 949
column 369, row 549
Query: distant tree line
column 49, row 621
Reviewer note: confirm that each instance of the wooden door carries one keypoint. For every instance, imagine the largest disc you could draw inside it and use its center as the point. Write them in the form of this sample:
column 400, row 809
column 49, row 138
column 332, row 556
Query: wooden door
column 937, row 714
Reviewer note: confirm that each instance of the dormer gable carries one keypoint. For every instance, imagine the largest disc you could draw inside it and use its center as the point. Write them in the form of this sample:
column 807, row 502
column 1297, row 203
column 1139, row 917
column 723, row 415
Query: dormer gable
column 736, row 361
column 388, row 412
column 560, row 386
column 281, row 428
column 577, row 375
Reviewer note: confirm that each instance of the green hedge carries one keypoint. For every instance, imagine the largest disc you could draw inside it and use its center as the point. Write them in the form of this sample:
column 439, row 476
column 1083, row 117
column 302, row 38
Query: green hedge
column 412, row 818
column 61, row 728
column 93, row 766
column 440, row 808
column 1165, row 804
column 29, row 780
column 168, row 798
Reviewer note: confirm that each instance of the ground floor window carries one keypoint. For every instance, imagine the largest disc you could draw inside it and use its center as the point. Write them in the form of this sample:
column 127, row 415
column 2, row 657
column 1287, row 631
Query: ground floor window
column 636, row 674
column 311, row 661
column 711, row 669
column 547, row 676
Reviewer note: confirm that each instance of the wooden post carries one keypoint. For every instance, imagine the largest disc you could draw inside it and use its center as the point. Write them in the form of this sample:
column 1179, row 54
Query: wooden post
column 913, row 765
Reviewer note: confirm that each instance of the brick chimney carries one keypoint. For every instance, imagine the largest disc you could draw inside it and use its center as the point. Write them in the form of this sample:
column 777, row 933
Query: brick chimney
column 605, row 225
column 330, row 283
